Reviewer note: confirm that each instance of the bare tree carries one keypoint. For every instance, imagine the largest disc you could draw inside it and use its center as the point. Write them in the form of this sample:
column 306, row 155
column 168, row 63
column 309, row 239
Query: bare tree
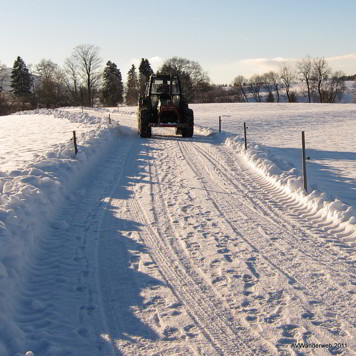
column 273, row 79
column 4, row 76
column 240, row 83
column 4, row 104
column 50, row 87
column 287, row 76
column 269, row 87
column 194, row 80
column 305, row 72
column 334, row 88
column 72, row 80
column 86, row 58
column 255, row 85
column 321, row 72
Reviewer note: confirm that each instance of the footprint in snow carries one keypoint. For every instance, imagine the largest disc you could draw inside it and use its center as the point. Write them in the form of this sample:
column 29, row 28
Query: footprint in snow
column 272, row 318
column 247, row 278
column 169, row 333
column 288, row 330
column 218, row 279
column 285, row 341
column 308, row 315
column 251, row 266
column 60, row 225
column 276, row 298
column 83, row 332
column 228, row 258
column 223, row 250
column 215, row 263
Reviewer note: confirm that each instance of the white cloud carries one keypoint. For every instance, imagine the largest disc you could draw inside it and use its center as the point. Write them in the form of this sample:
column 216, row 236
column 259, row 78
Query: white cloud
column 265, row 61
column 155, row 62
column 262, row 65
column 226, row 72
column 345, row 63
column 346, row 57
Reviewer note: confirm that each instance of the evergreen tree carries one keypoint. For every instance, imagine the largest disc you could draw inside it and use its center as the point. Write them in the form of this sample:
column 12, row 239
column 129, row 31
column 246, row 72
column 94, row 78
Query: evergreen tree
column 112, row 88
column 132, row 87
column 145, row 71
column 21, row 79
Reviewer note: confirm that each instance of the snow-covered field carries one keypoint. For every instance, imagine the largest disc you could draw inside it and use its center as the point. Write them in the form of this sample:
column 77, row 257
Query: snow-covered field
column 171, row 246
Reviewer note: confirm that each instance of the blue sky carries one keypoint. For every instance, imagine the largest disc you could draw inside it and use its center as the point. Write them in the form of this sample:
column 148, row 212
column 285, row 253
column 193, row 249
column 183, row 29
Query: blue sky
column 227, row 37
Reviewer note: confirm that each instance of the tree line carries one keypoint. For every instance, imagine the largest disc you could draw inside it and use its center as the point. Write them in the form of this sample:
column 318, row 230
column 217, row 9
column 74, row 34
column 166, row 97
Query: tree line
column 81, row 81
column 318, row 83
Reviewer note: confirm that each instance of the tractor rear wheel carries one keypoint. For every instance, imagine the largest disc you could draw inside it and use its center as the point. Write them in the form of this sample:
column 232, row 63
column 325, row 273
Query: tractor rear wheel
column 144, row 129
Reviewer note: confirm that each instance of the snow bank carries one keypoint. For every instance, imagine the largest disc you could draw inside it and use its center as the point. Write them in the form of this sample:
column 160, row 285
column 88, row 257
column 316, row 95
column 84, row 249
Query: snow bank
column 339, row 216
column 122, row 110
column 82, row 118
column 205, row 131
column 29, row 198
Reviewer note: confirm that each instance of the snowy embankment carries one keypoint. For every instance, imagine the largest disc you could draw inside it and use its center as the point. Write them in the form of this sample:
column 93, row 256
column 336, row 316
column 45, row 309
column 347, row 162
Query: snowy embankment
column 334, row 213
column 33, row 183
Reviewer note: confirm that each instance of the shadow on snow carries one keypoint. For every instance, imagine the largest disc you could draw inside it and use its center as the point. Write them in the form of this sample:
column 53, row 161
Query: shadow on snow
column 121, row 259
column 321, row 176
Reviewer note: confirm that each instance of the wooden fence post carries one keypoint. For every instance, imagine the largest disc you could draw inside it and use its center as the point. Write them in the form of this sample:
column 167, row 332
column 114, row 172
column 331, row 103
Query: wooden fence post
column 109, row 120
column 245, row 135
column 305, row 178
column 75, row 143
column 220, row 124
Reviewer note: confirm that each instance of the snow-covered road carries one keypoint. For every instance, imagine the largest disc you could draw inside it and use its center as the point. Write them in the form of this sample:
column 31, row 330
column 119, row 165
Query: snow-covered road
column 174, row 246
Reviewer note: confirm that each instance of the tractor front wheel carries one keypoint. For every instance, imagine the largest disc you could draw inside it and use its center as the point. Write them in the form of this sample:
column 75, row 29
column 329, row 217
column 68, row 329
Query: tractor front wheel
column 189, row 119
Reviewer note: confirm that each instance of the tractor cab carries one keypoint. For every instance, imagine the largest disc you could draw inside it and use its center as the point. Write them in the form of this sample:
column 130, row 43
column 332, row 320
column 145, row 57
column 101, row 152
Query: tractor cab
column 164, row 90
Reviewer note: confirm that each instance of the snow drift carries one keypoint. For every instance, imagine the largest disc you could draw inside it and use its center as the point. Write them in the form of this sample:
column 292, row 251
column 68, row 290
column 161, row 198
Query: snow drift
column 32, row 193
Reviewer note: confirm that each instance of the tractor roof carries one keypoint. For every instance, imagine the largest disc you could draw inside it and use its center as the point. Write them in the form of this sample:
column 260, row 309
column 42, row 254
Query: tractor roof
column 164, row 76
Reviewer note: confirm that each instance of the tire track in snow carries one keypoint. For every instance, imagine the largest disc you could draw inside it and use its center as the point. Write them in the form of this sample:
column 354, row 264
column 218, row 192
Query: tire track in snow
column 275, row 210
column 173, row 278
column 215, row 322
column 128, row 328
column 299, row 280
